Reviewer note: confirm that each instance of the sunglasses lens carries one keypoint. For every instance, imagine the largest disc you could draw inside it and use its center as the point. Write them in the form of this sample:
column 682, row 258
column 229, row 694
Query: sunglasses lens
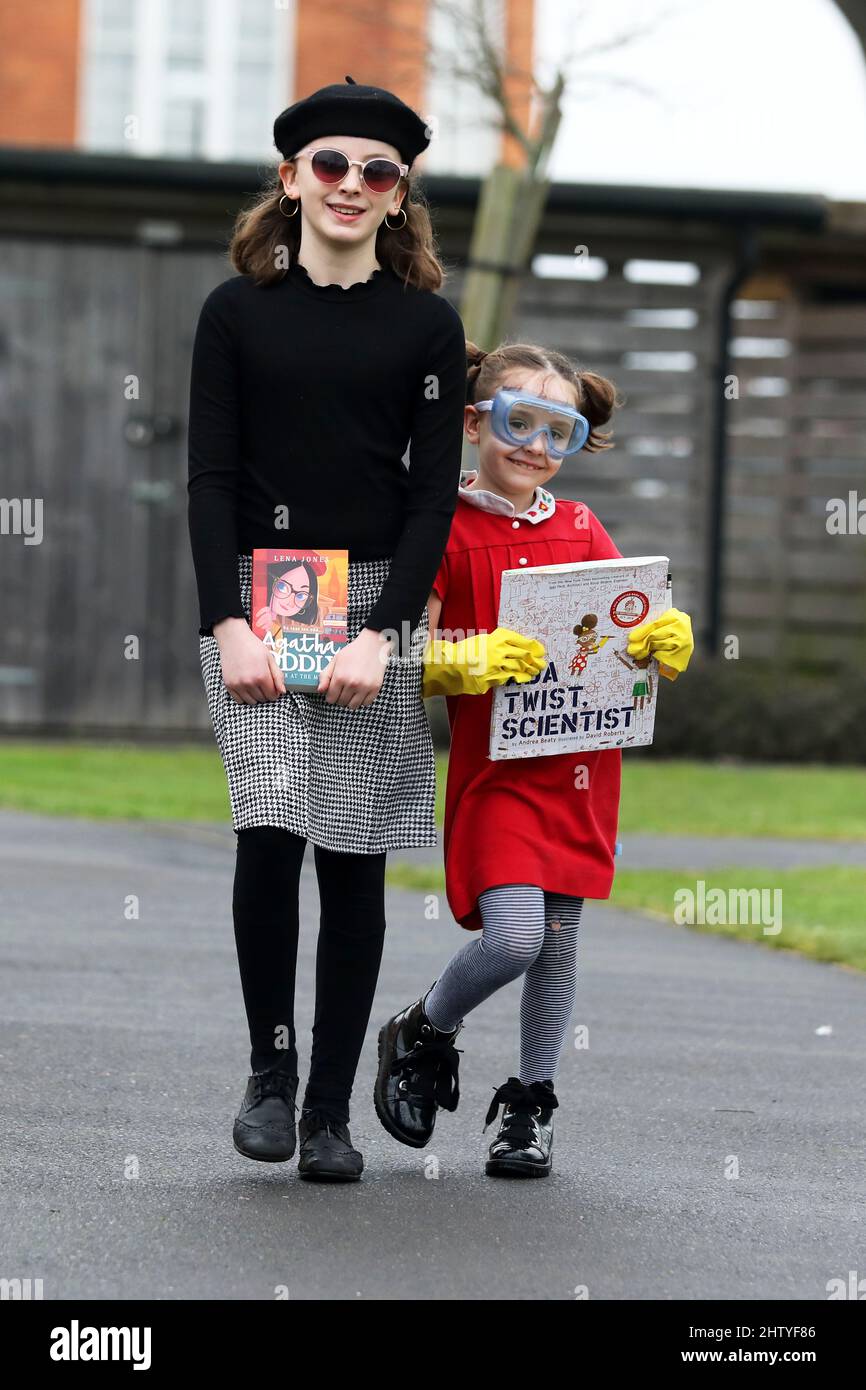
column 329, row 165
column 380, row 175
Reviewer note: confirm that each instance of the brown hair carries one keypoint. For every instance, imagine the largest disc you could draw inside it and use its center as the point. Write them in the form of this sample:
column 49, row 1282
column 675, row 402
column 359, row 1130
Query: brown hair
column 594, row 396
column 586, row 625
column 261, row 232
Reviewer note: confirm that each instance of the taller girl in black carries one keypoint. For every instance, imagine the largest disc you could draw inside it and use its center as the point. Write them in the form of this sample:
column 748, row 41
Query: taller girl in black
column 314, row 370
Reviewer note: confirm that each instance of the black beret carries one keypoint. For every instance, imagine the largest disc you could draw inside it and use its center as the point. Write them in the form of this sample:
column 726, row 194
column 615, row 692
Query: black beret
column 351, row 110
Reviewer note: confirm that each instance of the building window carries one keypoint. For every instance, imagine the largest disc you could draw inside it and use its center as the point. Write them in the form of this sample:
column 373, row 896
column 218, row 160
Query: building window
column 466, row 133
column 200, row 79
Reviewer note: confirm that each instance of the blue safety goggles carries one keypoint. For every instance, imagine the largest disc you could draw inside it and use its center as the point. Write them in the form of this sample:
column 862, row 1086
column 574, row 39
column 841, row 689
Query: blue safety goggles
column 517, row 418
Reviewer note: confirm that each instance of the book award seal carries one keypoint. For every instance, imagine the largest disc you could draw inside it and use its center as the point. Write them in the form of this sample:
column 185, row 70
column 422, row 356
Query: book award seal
column 629, row 608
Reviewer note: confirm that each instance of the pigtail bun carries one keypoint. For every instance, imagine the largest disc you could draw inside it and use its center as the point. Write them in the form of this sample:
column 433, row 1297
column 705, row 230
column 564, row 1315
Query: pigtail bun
column 474, row 361
column 599, row 400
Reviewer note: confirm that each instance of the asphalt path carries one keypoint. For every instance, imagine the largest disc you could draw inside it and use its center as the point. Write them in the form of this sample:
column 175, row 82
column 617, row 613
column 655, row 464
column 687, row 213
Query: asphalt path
column 123, row 1055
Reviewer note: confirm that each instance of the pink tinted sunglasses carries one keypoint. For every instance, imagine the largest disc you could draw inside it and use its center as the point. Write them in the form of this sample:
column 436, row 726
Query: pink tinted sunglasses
column 330, row 166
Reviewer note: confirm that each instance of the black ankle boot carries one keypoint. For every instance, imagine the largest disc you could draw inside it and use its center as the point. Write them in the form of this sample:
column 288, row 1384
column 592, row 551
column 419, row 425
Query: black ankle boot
column 522, row 1148
column 264, row 1127
column 418, row 1066
column 326, row 1149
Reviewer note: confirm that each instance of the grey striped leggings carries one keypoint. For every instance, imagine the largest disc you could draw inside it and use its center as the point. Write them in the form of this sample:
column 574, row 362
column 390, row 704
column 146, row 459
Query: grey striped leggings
column 519, row 937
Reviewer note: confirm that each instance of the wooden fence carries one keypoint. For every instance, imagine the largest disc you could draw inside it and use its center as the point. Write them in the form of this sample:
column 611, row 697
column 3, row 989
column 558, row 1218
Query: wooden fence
column 796, row 586
column 100, row 618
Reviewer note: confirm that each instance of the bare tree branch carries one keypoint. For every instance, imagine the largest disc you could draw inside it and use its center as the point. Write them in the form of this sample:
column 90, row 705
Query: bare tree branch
column 479, row 58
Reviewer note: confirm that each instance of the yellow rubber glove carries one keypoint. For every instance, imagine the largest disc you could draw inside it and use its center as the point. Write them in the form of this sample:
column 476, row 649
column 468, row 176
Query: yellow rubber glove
column 472, row 666
column 668, row 638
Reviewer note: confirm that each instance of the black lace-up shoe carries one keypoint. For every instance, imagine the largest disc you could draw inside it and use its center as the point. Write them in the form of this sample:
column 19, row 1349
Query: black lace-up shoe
column 418, row 1066
column 326, row 1149
column 522, row 1148
column 264, row 1127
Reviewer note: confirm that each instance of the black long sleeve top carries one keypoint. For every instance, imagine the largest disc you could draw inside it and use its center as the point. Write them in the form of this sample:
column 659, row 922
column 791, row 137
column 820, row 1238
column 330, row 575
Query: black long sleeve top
column 303, row 401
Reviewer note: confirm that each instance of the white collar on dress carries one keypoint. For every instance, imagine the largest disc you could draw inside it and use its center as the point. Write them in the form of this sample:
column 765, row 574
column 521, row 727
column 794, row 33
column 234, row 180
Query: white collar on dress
column 540, row 508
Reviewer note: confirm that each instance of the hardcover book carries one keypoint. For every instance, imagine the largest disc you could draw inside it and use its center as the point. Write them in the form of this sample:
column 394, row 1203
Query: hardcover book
column 591, row 693
column 299, row 610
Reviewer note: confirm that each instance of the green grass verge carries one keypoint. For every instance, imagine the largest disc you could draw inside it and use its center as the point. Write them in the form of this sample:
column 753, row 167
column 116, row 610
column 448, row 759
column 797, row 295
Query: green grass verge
column 809, row 802
column 114, row 781
column 187, row 782
column 823, row 910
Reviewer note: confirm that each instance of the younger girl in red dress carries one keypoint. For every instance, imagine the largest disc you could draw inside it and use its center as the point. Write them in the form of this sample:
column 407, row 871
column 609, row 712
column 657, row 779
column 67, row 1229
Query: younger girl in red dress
column 525, row 841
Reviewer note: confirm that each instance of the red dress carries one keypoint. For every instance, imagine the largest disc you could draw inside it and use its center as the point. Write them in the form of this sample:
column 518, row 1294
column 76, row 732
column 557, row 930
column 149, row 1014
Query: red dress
column 519, row 820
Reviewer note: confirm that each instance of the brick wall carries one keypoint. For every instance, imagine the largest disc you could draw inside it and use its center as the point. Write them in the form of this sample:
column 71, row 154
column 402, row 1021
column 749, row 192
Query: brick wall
column 39, row 49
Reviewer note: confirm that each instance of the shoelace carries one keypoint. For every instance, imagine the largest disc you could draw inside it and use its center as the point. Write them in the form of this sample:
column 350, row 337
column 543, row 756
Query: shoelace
column 274, row 1083
column 315, row 1120
column 431, row 1071
column 521, row 1102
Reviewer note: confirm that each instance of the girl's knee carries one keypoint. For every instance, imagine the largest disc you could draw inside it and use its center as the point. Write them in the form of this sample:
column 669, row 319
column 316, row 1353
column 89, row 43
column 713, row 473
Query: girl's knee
column 514, row 926
column 515, row 954
column 561, row 912
column 268, row 846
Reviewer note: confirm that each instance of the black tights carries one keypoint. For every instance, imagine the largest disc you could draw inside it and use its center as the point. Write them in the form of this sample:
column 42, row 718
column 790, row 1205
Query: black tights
column 348, row 956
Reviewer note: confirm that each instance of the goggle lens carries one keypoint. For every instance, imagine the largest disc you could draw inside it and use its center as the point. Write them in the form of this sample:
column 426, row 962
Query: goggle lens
column 523, row 421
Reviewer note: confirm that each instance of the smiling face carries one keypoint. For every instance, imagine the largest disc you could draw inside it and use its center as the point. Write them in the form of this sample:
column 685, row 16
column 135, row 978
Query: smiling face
column 345, row 213
column 291, row 592
column 514, row 471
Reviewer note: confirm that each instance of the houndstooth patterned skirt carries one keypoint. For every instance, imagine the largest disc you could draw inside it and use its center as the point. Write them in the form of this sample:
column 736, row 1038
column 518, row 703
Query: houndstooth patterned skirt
column 356, row 780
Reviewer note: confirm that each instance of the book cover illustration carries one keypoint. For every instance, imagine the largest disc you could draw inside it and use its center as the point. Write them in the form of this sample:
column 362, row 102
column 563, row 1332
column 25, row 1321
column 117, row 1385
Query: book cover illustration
column 591, row 693
column 299, row 610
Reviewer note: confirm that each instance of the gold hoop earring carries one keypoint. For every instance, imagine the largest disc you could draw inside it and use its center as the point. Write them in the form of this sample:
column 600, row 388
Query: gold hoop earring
column 296, row 201
column 402, row 224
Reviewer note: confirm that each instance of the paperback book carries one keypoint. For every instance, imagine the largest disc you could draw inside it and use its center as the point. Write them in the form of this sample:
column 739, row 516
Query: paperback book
column 299, row 609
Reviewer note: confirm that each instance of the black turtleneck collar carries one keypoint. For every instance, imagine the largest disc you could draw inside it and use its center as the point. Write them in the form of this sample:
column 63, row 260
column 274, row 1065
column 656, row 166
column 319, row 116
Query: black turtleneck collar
column 300, row 277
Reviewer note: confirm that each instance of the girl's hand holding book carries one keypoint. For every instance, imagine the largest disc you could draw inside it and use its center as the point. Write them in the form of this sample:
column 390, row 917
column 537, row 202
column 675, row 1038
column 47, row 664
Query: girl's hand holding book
column 250, row 671
column 668, row 638
column 354, row 676
column 472, row 666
